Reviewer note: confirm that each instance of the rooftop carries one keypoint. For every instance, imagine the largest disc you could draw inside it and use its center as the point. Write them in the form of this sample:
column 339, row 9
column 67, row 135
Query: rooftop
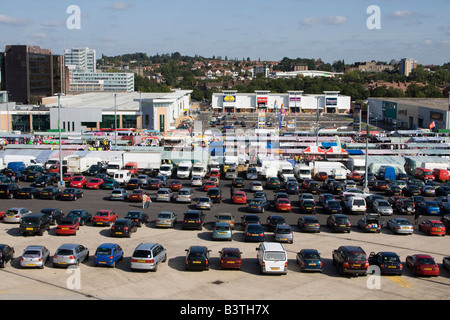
column 435, row 103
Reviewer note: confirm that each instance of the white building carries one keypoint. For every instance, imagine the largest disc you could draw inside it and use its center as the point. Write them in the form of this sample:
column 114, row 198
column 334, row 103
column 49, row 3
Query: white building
column 304, row 73
column 81, row 58
column 293, row 101
column 80, row 82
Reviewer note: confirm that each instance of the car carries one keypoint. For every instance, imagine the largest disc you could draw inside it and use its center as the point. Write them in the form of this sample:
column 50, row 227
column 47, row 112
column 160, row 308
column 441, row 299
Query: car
column 123, row 228
column 445, row 219
column 155, row 184
column 308, row 224
column 32, row 176
column 68, row 226
column 164, row 194
column 446, row 262
column 382, row 207
column 411, row 190
column 15, row 214
column 273, row 183
column 43, row 181
column 249, row 218
column 214, row 173
column 139, row 217
column 136, row 195
column 28, row 193
column 239, row 197
column 283, row 233
column 166, row 219
column 67, row 177
column 432, row 227
column 204, row 203
column 71, row 194
column 196, row 181
column 324, row 197
column 94, row 183
column 82, row 215
column 350, row 260
column 418, row 200
column 306, row 196
column 272, row 258
column 256, row 186
column 225, row 217
column 238, row 182
column 388, row 262
column 78, row 182
column 193, row 219
column 355, row 176
column 133, row 183
column 175, row 185
column 260, row 195
column 34, row 256
column 422, row 264
column 400, row 226
column 428, row 208
column 370, row 223
column 313, row 187
column 148, row 256
column 309, row 260
column 6, row 254
column 254, row 232
column 104, row 218
column 108, row 254
column 230, row 258
column 405, row 206
column 34, row 223
column 380, row 185
column 283, row 204
column 185, row 195
column 118, row 194
column 273, row 220
column 321, row 176
column 307, row 207
column 442, row 191
column 8, row 190
column 338, row 223
column 50, row 193
column 292, row 187
column 336, row 187
column 332, row 206
column 428, row 191
column 222, row 231
column 215, row 194
column 258, row 205
column 143, row 180
column 197, row 258
column 209, row 184
column 70, row 254
column 110, row 184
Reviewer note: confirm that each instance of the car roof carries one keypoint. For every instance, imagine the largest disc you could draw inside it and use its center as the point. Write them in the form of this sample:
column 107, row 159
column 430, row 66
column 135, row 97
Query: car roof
column 68, row 246
column 146, row 246
column 108, row 245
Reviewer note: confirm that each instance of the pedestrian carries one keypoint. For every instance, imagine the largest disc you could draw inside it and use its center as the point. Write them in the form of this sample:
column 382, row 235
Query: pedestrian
column 416, row 217
column 144, row 201
column 147, row 202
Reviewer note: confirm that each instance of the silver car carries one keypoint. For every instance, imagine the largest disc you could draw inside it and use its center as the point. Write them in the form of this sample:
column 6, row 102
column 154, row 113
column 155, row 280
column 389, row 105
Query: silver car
column 382, row 207
column 184, row 195
column 166, row 219
column 148, row 256
column 34, row 256
column 400, row 226
column 13, row 215
column 164, row 194
column 118, row 194
column 70, row 254
column 196, row 181
column 283, row 233
column 204, row 203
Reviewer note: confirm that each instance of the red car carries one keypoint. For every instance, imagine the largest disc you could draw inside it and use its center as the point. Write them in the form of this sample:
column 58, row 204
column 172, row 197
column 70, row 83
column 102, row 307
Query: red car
column 355, row 176
column 175, row 185
column 78, row 182
column 68, row 177
column 68, row 226
column 432, row 227
column 94, row 183
column 136, row 195
column 322, row 176
column 54, row 168
column 422, row 264
column 208, row 185
column 283, row 204
column 239, row 197
column 104, row 217
column 215, row 173
column 230, row 258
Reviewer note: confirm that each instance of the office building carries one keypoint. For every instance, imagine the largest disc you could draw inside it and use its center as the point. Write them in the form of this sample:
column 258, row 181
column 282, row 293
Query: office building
column 406, row 66
column 81, row 59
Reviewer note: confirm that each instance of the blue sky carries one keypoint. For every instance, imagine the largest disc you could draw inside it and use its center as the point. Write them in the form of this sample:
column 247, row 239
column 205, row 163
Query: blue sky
column 265, row 29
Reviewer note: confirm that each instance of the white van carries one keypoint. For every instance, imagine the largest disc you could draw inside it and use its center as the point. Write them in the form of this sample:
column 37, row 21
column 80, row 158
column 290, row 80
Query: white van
column 272, row 258
column 184, row 170
column 166, row 169
column 122, row 176
column 200, row 169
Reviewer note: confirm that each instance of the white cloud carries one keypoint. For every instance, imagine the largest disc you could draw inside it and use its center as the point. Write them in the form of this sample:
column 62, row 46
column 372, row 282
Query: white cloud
column 51, row 24
column 4, row 19
column 120, row 6
column 331, row 20
column 402, row 14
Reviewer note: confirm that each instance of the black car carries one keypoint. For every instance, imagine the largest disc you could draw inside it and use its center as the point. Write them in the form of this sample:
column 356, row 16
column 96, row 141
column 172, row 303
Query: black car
column 94, row 170
column 308, row 224
column 44, row 181
column 28, row 193
column 307, row 206
column 8, row 190
column 336, row 187
column 249, row 218
column 35, row 223
column 71, row 194
column 6, row 254
column 274, row 220
column 405, row 206
column 313, row 187
column 32, row 176
column 443, row 191
column 338, row 223
column 238, row 182
column 82, row 215
column 411, row 190
column 133, row 183
column 123, row 228
column 193, row 219
column 215, row 195
column 445, row 219
column 54, row 214
column 139, row 217
column 197, row 258
column 50, row 193
column 388, row 262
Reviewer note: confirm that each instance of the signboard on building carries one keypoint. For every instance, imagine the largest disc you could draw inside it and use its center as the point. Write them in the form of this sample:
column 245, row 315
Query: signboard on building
column 331, row 101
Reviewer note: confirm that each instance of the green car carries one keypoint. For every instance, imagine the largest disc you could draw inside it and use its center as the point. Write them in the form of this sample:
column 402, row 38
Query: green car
column 111, row 184
column 222, row 231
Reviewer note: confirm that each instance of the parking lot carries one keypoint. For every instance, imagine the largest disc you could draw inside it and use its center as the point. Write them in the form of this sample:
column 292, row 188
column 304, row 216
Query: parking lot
column 172, row 282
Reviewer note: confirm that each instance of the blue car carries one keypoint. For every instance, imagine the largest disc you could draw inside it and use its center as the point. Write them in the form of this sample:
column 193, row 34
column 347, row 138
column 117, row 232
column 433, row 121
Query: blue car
column 309, row 260
column 292, row 187
column 429, row 208
column 107, row 254
column 254, row 232
column 332, row 206
column 258, row 205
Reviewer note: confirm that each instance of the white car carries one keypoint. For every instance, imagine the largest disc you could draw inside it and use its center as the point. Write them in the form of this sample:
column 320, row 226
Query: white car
column 196, row 181
column 256, row 186
column 383, row 207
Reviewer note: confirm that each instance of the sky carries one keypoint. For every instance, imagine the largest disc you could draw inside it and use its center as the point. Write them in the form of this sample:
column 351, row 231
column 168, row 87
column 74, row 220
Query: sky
column 260, row 29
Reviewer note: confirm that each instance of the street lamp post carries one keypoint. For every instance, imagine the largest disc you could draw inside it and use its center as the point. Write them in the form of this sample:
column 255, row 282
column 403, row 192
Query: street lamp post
column 366, row 175
column 317, row 122
column 115, row 121
column 61, row 182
